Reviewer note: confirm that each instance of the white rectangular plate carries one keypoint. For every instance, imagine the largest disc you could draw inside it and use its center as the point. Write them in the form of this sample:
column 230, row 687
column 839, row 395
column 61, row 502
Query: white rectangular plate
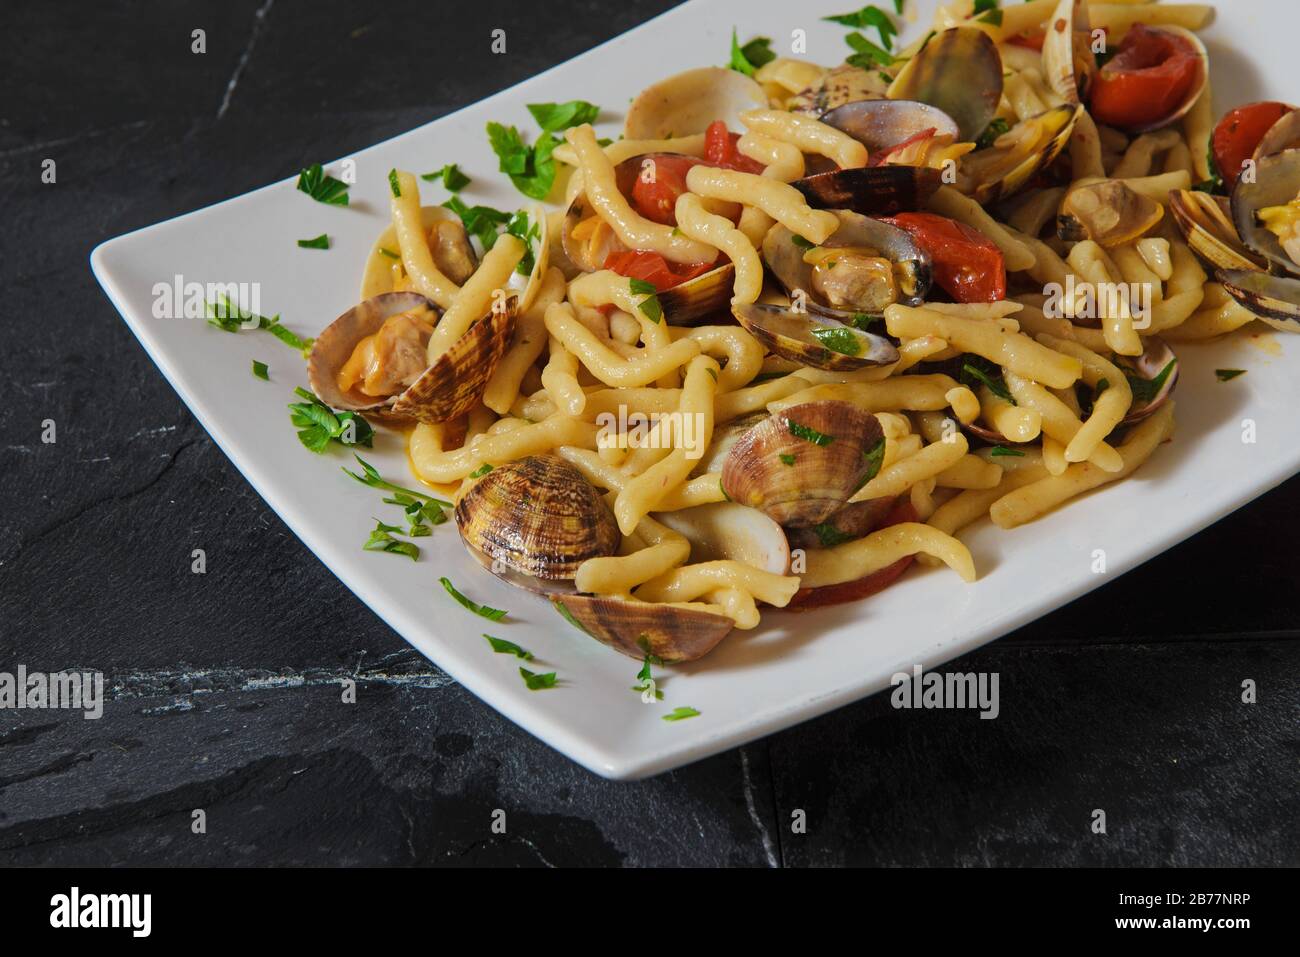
column 795, row 666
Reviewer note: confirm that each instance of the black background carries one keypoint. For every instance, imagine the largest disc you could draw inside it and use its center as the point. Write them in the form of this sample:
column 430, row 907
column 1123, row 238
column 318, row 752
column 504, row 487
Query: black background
column 223, row 691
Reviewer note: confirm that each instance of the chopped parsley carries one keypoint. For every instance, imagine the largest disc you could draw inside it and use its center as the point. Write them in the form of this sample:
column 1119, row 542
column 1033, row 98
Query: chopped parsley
column 385, row 251
column 650, row 304
column 320, row 242
column 482, row 222
column 808, row 434
column 1215, row 183
column 261, row 371
column 530, row 234
column 860, row 320
column 530, row 168
column 787, row 458
column 681, row 713
column 986, row 11
column 1000, row 451
column 554, row 117
column 875, row 457
column 648, row 688
column 503, row 647
column 1227, row 375
column 829, row 535
column 394, row 184
column 228, row 317
column 567, row 615
column 492, row 614
column 839, row 339
column 801, row 242
column 1145, row 390
column 536, row 682
column 417, row 511
column 754, row 54
column 481, row 471
column 323, row 188
column 381, row 540
column 991, row 132
column 318, row 424
column 867, row 17
column 867, row 55
column 372, row 478
column 976, row 370
column 453, row 180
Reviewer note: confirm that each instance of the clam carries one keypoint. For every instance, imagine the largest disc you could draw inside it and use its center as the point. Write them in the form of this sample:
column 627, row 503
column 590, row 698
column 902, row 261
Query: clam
column 638, row 629
column 698, row 301
column 538, row 518
column 960, row 72
column 727, row 531
column 1106, row 211
column 812, row 339
column 1282, row 135
column 1205, row 222
column 871, row 190
column 1193, row 93
column 1001, row 170
column 855, row 520
column 457, row 379
column 1275, row 185
column 400, row 361
column 863, row 267
column 882, row 124
column 1069, row 65
column 1275, row 299
column 725, row 436
column 841, row 85
column 1156, row 364
column 587, row 240
column 450, row 246
column 686, row 103
column 803, row 463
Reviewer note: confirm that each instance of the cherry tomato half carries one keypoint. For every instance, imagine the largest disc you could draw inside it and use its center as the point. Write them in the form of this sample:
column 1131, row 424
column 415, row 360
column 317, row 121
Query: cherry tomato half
column 1146, row 80
column 653, row 268
column 1239, row 132
column 720, row 150
column 967, row 265
column 656, row 190
column 863, row 587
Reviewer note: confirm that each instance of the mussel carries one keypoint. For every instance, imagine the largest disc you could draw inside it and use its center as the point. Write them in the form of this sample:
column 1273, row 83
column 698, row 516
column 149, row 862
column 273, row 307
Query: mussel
column 638, row 629
column 686, row 103
column 803, row 463
column 863, row 267
column 960, row 72
column 534, row 521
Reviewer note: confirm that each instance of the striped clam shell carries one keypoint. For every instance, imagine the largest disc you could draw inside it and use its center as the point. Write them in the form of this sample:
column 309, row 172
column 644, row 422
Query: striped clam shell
column 538, row 517
column 638, row 629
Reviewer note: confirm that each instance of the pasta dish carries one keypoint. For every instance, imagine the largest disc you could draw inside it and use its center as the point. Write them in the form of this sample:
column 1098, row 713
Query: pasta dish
column 800, row 325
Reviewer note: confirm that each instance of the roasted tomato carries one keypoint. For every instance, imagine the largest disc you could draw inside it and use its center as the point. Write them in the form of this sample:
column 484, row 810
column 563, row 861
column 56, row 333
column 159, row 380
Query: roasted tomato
column 863, row 587
column 1239, row 132
column 653, row 268
column 1146, row 80
column 967, row 265
column 655, row 191
column 720, row 150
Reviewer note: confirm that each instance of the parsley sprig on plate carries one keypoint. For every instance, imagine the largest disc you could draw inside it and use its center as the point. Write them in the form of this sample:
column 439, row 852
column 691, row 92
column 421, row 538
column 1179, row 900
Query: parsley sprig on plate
column 322, row 187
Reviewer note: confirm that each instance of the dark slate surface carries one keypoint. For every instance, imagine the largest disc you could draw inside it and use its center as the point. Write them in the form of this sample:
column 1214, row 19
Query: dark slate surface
column 225, row 686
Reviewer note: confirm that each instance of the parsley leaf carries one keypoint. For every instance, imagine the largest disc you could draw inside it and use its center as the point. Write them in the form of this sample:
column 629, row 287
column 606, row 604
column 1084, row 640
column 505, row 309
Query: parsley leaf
column 482, row 222
column 261, row 371
column 381, row 540
column 393, row 183
column 1227, row 375
column 875, row 457
column 869, row 16
column 531, row 169
column 999, row 451
column 373, row 479
column 503, row 647
column 536, row 682
column 493, row 614
column 567, row 615
column 754, row 54
column 554, row 117
column 481, row 471
column 1144, row 390
column 867, row 55
column 829, row 535
column 385, row 251
column 318, row 424
column 650, row 304
column 322, row 187
column 648, row 688
column 320, row 242
column 680, row 714
column 976, row 370
column 787, row 458
column 995, row 129
column 801, row 242
column 838, row 339
column 808, row 434
column 228, row 317
column 530, row 234
column 453, row 180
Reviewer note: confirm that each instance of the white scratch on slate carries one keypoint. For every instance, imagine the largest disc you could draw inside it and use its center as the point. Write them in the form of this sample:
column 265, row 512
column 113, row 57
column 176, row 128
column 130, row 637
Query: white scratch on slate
column 753, row 811
column 259, row 19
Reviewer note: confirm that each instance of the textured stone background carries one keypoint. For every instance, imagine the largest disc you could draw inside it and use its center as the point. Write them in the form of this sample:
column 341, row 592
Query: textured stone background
column 223, row 686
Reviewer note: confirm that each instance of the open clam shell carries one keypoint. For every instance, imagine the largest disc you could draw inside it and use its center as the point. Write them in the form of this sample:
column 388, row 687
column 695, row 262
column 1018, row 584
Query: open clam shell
column 455, row 383
column 1157, row 360
column 855, row 520
column 698, row 301
column 536, row 517
column 1282, row 135
column 638, row 629
column 334, row 346
column 451, row 249
column 726, row 531
column 1275, row 299
column 1003, row 169
column 841, row 85
column 804, row 463
column 587, row 252
column 882, row 124
column 871, row 190
column 1276, row 183
column 812, row 339
column 1206, row 223
column 960, row 72
column 1069, row 65
column 910, row 274
column 1197, row 88
column 686, row 103
column 1108, row 212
